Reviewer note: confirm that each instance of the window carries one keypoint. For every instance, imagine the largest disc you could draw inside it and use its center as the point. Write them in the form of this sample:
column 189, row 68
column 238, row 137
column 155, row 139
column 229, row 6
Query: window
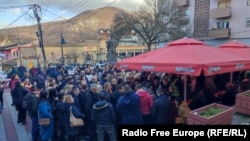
column 247, row 22
column 222, row 24
column 248, row 2
column 226, row 3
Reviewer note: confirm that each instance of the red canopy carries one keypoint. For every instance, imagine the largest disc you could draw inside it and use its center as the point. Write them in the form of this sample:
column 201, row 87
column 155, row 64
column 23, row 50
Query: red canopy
column 233, row 44
column 236, row 47
column 186, row 56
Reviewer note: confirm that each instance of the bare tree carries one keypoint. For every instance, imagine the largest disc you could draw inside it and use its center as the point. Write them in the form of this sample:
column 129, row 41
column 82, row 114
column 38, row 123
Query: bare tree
column 154, row 20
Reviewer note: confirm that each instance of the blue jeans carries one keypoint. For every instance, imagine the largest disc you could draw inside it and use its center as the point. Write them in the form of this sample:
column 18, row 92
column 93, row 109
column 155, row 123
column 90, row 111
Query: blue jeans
column 110, row 129
column 35, row 129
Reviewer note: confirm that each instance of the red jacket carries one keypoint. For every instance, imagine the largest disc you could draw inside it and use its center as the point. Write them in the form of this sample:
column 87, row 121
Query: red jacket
column 146, row 101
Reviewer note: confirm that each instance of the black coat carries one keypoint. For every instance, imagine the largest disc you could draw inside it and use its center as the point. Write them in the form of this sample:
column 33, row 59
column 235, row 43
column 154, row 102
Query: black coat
column 91, row 99
column 103, row 113
column 160, row 110
column 19, row 92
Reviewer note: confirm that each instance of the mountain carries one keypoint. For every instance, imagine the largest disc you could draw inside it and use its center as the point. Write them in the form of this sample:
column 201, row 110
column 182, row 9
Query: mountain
column 76, row 30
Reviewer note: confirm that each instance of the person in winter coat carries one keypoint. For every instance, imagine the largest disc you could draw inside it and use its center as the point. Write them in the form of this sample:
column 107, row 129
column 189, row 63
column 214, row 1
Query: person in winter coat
column 32, row 104
column 91, row 98
column 146, row 103
column 128, row 107
column 103, row 115
column 45, row 111
column 12, row 84
column 71, row 133
column 161, row 108
column 1, row 94
column 19, row 93
column 60, row 120
column 183, row 111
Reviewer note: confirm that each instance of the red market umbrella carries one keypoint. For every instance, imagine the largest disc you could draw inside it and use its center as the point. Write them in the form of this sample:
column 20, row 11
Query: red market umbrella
column 187, row 57
column 237, row 48
column 234, row 44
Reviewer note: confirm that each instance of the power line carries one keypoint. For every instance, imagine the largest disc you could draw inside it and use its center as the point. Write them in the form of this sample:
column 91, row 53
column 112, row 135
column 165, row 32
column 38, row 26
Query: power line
column 11, row 7
column 102, row 9
column 76, row 7
column 85, row 18
column 15, row 20
column 68, row 20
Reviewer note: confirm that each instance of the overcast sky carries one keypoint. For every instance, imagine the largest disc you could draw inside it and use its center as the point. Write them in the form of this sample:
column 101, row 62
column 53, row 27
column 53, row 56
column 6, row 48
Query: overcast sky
column 10, row 15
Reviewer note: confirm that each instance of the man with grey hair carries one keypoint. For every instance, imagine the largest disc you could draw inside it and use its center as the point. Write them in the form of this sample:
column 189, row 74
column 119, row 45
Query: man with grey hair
column 91, row 99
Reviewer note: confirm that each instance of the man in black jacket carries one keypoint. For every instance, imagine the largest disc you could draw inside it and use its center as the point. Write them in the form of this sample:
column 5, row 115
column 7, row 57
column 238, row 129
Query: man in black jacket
column 103, row 115
column 32, row 102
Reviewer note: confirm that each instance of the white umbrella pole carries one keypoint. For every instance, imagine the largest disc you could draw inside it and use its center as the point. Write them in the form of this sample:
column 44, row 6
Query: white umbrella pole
column 185, row 87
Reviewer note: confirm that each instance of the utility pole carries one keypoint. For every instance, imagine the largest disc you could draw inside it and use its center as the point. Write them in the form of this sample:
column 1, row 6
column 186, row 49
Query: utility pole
column 39, row 33
column 20, row 51
column 62, row 42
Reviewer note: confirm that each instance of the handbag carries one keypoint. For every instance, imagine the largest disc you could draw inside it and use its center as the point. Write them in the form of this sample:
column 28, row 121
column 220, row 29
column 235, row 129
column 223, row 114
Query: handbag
column 43, row 121
column 75, row 122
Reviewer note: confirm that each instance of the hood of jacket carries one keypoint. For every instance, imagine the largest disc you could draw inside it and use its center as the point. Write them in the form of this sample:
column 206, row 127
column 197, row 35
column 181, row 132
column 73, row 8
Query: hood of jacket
column 142, row 93
column 101, row 104
column 127, row 98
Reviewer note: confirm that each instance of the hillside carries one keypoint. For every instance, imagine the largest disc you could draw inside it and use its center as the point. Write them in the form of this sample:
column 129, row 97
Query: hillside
column 76, row 30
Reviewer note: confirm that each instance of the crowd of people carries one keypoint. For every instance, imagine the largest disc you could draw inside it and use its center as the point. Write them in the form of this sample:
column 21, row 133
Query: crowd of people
column 106, row 98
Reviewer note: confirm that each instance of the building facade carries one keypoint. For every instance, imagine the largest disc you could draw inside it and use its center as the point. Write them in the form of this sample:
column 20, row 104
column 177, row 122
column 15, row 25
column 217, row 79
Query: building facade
column 229, row 20
column 217, row 21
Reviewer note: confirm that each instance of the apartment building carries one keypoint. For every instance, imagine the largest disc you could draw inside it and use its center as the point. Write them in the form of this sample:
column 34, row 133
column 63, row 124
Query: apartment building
column 229, row 20
column 217, row 21
column 189, row 6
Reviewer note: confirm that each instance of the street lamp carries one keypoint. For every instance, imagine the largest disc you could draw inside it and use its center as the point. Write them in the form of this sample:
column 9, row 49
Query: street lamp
column 62, row 42
column 52, row 53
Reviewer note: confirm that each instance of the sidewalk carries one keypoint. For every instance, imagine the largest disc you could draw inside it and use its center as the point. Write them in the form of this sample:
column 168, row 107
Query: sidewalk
column 11, row 131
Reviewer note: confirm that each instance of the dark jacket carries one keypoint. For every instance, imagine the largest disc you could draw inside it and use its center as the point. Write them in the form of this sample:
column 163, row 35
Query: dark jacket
column 60, row 111
column 91, row 99
column 128, row 107
column 229, row 97
column 19, row 92
column 114, row 98
column 32, row 104
column 66, row 118
column 108, row 95
column 103, row 113
column 160, row 110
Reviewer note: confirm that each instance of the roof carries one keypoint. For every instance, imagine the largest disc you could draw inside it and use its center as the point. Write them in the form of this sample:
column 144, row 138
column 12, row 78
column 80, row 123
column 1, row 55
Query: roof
column 10, row 62
column 14, row 46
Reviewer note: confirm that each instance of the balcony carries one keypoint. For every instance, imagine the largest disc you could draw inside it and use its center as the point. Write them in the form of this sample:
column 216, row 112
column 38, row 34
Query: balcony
column 182, row 2
column 219, row 33
column 224, row 12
